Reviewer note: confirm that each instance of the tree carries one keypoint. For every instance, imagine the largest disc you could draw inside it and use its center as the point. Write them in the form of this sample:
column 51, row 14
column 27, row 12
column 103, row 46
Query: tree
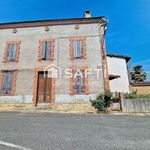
column 137, row 75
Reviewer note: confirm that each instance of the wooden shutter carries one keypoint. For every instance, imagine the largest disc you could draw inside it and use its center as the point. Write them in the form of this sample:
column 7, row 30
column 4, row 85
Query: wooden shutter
column 82, row 82
column 80, row 48
column 13, row 51
column 84, row 48
column 4, row 83
column 48, row 50
column 52, row 49
column 17, row 50
column 72, row 80
column 71, row 86
column 14, row 78
column 75, row 48
column 14, row 47
column 44, row 45
column 9, row 52
column 9, row 82
column 1, row 76
column 39, row 51
column 71, row 49
column 86, row 85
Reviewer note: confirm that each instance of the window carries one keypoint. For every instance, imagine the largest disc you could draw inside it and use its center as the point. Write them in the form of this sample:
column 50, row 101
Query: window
column 46, row 50
column 79, row 86
column 12, row 51
column 7, row 83
column 79, row 82
column 77, row 47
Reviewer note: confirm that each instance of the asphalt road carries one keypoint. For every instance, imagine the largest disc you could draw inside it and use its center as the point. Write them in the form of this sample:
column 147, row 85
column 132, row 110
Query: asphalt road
column 47, row 131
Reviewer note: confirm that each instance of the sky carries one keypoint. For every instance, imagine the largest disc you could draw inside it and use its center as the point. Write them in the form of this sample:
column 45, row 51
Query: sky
column 128, row 30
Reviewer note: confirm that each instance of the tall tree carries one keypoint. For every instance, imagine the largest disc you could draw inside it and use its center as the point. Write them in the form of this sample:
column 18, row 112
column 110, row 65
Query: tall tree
column 137, row 75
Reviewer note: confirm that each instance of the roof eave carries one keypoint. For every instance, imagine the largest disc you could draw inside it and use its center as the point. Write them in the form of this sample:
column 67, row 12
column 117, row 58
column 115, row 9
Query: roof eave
column 127, row 58
column 39, row 23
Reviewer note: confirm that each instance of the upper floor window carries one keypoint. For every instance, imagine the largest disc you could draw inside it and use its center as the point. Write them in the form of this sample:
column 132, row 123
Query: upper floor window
column 7, row 82
column 12, row 51
column 77, row 47
column 46, row 50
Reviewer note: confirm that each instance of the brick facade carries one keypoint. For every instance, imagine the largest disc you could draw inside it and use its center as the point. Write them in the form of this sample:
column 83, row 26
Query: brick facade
column 61, row 37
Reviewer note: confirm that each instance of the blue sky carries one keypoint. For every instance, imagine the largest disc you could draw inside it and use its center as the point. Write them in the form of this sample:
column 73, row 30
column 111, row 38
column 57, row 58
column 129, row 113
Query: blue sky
column 129, row 21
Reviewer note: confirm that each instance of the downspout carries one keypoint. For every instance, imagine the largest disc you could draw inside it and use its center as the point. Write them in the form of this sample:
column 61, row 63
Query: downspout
column 102, row 42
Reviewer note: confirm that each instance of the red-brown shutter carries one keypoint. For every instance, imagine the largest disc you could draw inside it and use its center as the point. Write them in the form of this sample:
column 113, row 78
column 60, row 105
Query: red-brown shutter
column 40, row 51
column 14, row 83
column 71, row 49
column 52, row 49
column 1, row 78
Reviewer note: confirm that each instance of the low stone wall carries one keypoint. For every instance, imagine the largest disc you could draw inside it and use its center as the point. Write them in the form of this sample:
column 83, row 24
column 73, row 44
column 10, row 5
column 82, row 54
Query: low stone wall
column 60, row 107
column 17, row 99
column 136, row 105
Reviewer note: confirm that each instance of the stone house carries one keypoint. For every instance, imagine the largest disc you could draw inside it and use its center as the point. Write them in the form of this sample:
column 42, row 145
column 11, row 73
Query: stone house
column 28, row 50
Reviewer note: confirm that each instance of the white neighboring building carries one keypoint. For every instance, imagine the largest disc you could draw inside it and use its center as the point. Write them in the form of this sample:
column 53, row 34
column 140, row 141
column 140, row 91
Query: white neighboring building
column 118, row 72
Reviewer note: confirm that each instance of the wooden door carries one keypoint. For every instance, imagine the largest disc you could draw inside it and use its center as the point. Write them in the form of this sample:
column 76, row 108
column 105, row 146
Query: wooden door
column 44, row 88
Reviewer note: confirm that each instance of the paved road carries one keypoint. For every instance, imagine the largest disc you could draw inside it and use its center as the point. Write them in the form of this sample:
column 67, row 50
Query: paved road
column 47, row 131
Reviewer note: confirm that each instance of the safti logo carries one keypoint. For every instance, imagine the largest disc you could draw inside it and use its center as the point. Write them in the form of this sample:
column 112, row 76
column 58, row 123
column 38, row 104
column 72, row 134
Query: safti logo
column 54, row 71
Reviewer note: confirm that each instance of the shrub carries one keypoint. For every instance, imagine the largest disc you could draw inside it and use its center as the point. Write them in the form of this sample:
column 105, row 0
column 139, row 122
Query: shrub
column 102, row 101
column 132, row 95
column 147, row 96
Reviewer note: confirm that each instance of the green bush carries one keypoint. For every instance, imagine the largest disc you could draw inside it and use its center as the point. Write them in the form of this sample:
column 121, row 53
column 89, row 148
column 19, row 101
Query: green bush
column 132, row 95
column 102, row 101
column 146, row 96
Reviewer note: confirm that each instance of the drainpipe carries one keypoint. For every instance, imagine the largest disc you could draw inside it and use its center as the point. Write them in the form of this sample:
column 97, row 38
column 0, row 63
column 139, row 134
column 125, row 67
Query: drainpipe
column 101, row 51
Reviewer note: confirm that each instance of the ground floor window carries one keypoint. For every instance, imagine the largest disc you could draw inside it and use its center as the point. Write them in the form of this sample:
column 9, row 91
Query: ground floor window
column 79, row 82
column 8, row 79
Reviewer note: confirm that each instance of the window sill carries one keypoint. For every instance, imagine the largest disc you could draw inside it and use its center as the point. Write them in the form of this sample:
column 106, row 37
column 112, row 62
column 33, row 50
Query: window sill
column 45, row 60
column 76, row 58
column 6, row 95
column 8, row 61
column 79, row 94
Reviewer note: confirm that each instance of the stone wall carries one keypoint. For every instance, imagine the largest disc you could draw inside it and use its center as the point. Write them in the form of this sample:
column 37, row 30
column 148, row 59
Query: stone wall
column 28, row 59
column 141, row 89
column 136, row 105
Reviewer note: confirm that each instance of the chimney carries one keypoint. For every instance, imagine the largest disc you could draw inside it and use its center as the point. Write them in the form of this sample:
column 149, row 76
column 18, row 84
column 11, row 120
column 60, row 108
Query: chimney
column 87, row 14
